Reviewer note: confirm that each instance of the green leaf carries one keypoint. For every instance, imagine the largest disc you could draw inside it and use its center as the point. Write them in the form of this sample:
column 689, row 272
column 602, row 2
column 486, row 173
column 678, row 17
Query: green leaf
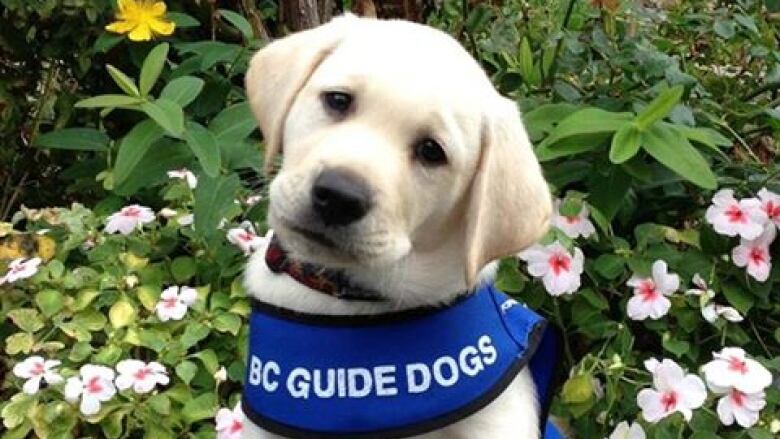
column 578, row 389
column 209, row 359
column 123, row 81
column 167, row 114
column 16, row 410
column 239, row 22
column 199, row 408
column 213, row 198
column 581, row 131
column 152, row 67
column 676, row 347
column 542, row 119
column 121, row 314
column 27, row 319
column 148, row 296
column 677, row 154
column 19, row 343
column 659, row 107
column 609, row 266
column 183, row 20
column 227, row 322
column 186, row 370
column 164, row 155
column 109, row 101
column 193, row 333
column 204, row 146
column 133, row 147
column 705, row 136
column 625, row 144
column 233, row 124
column 738, row 297
column 49, row 302
column 526, row 58
column 183, row 268
column 77, row 139
column 182, row 90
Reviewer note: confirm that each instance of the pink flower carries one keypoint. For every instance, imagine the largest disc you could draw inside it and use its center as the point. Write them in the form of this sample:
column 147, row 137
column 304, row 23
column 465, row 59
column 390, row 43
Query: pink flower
column 624, row 431
column 732, row 369
column 34, row 369
column 173, row 303
column 230, row 423
column 20, row 268
column 755, row 254
column 739, row 406
column 186, row 175
column 95, row 386
column 650, row 293
column 245, row 238
column 559, row 270
column 142, row 377
column 770, row 204
column 673, row 391
column 731, row 217
column 128, row 219
column 573, row 226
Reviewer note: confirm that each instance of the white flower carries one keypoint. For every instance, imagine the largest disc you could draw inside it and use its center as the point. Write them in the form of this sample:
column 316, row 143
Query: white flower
column 245, row 238
column 173, row 303
column 650, row 293
column 230, row 423
column 740, row 406
column 186, row 220
column 702, row 289
column 184, row 174
column 624, row 431
column 95, row 386
column 34, row 369
column 252, row 200
column 770, row 204
column 142, row 377
column 673, row 391
column 128, row 219
column 731, row 217
column 755, row 255
column 573, row 226
column 20, row 268
column 220, row 375
column 732, row 369
column 712, row 311
column 167, row 212
column 559, row 270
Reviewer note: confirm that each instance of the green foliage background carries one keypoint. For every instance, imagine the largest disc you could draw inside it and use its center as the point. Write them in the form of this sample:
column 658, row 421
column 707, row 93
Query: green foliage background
column 639, row 109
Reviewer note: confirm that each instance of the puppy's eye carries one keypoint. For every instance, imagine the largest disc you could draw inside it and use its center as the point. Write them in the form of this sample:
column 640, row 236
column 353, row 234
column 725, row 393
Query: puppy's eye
column 337, row 101
column 430, row 153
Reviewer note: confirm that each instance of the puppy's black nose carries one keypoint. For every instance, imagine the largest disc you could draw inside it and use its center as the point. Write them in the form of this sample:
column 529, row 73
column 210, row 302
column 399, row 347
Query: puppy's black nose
column 340, row 198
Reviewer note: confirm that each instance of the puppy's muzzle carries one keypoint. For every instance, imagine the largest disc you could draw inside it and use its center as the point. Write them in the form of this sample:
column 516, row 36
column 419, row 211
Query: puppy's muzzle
column 340, row 198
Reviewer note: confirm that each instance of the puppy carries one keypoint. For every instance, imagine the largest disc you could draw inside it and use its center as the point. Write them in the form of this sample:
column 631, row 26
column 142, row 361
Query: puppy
column 403, row 169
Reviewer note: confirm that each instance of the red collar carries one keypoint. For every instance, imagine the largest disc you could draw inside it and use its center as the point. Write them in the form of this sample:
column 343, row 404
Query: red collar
column 331, row 282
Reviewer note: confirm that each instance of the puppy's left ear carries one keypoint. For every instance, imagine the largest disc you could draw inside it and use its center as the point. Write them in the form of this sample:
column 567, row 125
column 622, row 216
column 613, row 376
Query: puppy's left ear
column 510, row 204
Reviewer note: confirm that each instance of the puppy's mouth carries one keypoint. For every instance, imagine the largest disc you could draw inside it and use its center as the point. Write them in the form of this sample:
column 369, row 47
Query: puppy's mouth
column 312, row 235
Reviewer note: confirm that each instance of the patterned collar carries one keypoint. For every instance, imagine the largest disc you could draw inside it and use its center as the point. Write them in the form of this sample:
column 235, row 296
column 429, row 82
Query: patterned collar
column 331, row 282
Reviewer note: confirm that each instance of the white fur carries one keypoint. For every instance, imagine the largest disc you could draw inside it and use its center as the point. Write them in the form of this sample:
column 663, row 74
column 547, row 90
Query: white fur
column 431, row 229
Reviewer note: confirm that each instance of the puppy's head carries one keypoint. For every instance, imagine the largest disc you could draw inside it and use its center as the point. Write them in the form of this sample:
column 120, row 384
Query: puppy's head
column 395, row 145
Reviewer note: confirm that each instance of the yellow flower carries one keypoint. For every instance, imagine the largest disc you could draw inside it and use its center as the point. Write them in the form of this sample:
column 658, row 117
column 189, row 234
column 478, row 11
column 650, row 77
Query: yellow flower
column 141, row 20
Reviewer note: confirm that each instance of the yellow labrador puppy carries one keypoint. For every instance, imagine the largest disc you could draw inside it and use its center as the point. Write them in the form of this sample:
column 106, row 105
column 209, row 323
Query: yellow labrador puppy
column 403, row 169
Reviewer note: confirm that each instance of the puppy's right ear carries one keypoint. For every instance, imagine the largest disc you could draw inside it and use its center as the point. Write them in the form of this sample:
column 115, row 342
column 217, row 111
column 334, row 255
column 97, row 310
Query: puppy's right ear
column 280, row 70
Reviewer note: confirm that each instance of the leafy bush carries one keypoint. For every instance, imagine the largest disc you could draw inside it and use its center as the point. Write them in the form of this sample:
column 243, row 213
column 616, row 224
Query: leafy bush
column 639, row 114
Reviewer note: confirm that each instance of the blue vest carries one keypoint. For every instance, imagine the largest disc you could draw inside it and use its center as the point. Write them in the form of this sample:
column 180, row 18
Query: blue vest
column 392, row 375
